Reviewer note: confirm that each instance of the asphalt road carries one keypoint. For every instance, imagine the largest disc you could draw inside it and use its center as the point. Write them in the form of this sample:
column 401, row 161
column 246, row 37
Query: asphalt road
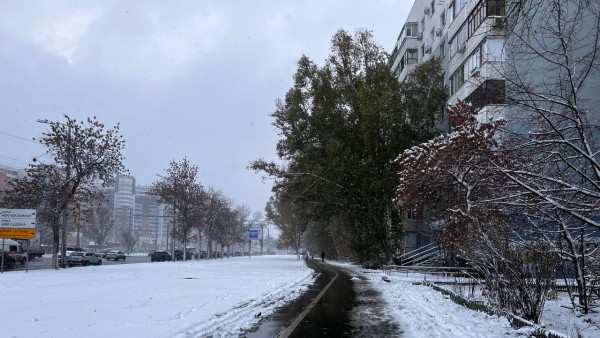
column 45, row 262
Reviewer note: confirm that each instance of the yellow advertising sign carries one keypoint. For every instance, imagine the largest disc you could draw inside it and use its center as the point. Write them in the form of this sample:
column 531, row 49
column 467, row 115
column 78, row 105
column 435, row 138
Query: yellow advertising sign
column 17, row 233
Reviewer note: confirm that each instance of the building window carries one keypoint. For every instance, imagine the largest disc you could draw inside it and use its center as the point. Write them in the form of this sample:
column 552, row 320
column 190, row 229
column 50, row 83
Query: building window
column 432, row 7
column 451, row 12
column 483, row 9
column 411, row 29
column 443, row 19
column 476, row 17
column 412, row 56
column 457, row 40
column 432, row 34
column 410, row 214
column 457, row 79
column 496, row 7
column 401, row 65
column 489, row 92
column 474, row 61
column 493, row 49
column 442, row 49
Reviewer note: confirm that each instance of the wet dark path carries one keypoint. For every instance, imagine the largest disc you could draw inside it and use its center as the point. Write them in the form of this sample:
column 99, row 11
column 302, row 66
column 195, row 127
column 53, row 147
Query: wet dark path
column 349, row 308
column 330, row 317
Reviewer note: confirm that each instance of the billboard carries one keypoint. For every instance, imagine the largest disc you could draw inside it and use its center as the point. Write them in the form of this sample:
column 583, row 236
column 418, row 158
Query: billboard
column 252, row 234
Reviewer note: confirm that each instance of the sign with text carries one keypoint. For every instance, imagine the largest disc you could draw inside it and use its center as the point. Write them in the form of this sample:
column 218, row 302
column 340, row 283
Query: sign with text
column 17, row 223
column 252, row 234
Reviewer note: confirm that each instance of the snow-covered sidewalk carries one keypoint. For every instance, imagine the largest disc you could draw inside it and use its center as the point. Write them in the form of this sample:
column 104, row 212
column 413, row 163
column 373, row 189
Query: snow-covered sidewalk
column 424, row 312
column 149, row 300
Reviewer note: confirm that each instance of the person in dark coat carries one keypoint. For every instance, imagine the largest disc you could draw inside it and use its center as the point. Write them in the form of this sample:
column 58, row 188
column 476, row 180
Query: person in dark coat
column 323, row 256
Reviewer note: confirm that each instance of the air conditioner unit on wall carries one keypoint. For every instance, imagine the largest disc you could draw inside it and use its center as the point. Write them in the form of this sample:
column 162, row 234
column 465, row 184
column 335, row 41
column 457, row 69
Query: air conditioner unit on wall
column 420, row 36
column 461, row 48
column 427, row 10
column 438, row 32
column 428, row 49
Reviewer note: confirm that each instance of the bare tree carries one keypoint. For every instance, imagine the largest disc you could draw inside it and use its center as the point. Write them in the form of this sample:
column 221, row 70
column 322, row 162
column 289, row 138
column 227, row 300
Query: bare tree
column 85, row 154
column 552, row 76
column 186, row 197
column 100, row 223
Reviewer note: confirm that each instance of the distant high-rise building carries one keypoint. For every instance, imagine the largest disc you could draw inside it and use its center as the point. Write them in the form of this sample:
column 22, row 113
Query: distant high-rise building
column 136, row 212
column 8, row 174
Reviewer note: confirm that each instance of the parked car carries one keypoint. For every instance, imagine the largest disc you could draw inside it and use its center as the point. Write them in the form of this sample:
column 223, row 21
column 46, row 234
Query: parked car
column 69, row 252
column 189, row 254
column 84, row 258
column 102, row 253
column 160, row 256
column 178, row 255
column 9, row 262
column 115, row 255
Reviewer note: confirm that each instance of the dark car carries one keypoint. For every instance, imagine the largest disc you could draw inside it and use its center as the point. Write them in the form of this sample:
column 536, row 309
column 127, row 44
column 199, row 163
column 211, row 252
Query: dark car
column 160, row 256
column 179, row 255
column 9, row 262
column 84, row 258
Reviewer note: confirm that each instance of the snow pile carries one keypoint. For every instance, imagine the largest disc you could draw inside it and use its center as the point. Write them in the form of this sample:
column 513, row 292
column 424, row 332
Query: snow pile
column 168, row 299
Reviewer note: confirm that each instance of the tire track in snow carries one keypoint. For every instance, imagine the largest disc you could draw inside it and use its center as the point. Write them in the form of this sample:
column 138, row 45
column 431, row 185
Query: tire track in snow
column 242, row 316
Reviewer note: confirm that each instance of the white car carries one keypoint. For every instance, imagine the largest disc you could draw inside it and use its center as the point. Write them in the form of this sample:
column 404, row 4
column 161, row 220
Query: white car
column 115, row 255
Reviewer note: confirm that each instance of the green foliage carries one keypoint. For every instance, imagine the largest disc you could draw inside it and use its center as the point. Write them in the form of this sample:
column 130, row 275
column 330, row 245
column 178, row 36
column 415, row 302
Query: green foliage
column 341, row 126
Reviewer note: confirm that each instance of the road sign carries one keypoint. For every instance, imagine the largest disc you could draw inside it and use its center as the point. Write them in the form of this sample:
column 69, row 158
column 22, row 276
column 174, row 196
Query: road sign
column 17, row 223
column 252, row 234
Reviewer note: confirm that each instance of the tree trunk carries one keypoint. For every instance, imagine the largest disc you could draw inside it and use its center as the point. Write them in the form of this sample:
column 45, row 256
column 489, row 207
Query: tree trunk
column 55, row 245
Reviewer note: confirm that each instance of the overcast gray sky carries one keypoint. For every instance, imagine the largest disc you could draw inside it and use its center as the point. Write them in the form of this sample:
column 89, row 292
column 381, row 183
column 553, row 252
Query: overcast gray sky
column 184, row 78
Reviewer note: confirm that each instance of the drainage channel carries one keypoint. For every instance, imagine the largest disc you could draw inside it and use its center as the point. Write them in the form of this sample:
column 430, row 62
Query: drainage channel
column 323, row 310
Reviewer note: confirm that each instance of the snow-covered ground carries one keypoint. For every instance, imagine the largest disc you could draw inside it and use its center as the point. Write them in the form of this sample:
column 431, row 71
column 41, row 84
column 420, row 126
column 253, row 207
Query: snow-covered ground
column 149, row 300
column 420, row 309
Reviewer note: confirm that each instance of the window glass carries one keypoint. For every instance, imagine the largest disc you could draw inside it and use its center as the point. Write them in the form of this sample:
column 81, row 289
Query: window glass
column 457, row 79
column 451, row 13
column 474, row 61
column 443, row 19
column 494, row 49
column 496, row 7
column 457, row 40
column 412, row 56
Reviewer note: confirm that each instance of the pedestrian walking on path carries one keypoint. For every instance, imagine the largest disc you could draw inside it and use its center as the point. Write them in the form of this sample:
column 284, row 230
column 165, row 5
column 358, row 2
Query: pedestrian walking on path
column 323, row 256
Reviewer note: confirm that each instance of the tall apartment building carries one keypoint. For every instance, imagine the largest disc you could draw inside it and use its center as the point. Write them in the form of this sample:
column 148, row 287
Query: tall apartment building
column 533, row 67
column 468, row 37
column 137, row 213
